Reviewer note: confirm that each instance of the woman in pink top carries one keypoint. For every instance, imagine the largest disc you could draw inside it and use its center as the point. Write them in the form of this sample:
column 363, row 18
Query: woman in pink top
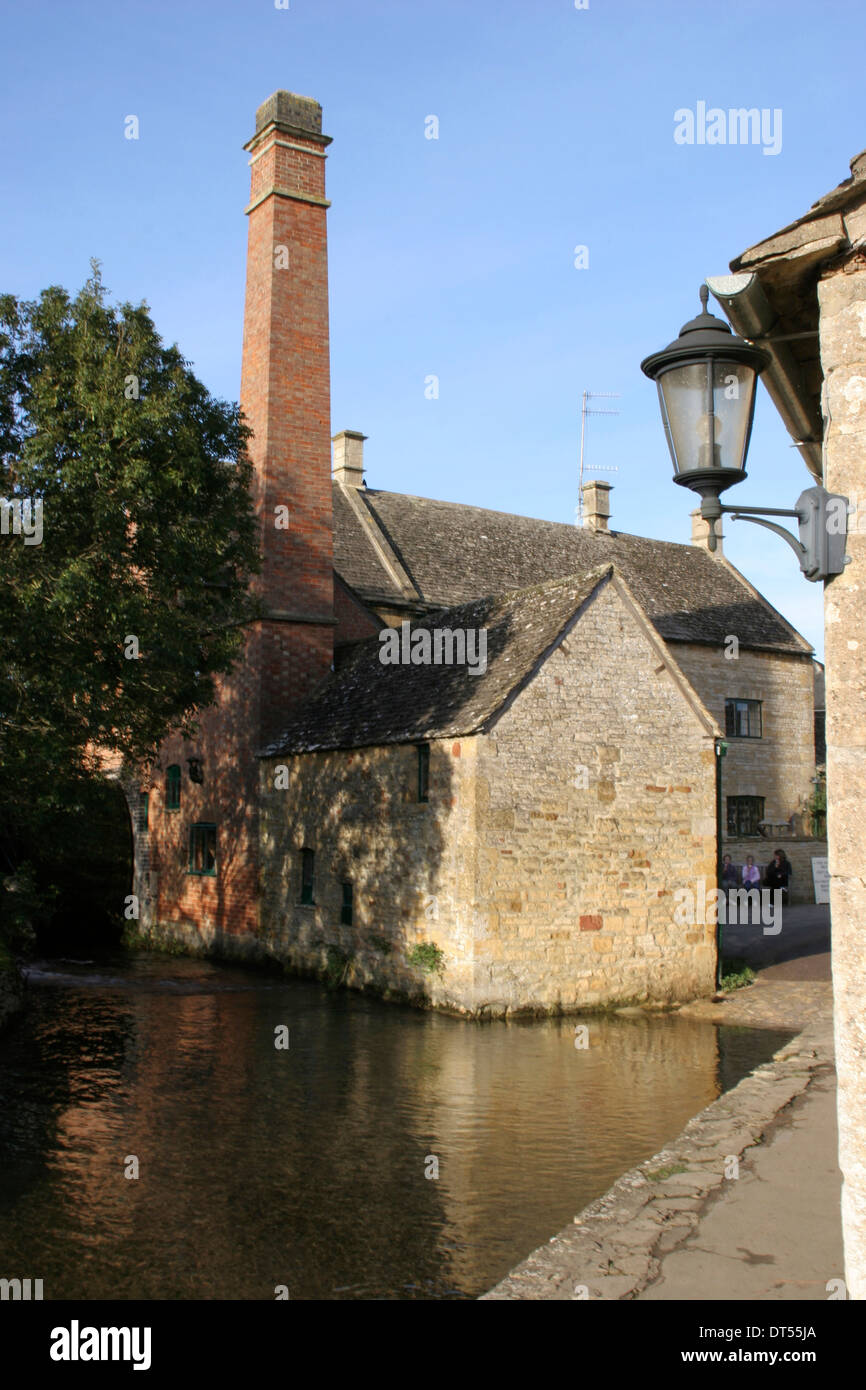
column 751, row 873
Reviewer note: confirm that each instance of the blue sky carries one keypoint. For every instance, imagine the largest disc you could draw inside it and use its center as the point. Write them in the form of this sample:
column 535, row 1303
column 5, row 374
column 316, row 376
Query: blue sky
column 454, row 256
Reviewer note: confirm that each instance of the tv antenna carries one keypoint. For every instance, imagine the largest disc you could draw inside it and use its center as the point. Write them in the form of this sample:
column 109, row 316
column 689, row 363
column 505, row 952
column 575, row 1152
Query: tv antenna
column 600, row 468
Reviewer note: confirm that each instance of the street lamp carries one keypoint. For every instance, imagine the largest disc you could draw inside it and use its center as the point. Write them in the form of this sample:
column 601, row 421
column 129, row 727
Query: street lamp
column 706, row 380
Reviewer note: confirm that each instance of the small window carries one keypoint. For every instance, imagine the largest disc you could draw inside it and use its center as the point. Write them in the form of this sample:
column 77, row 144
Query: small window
column 743, row 718
column 423, row 771
column 744, row 814
column 143, row 810
column 172, row 788
column 347, row 908
column 308, row 864
column 202, row 849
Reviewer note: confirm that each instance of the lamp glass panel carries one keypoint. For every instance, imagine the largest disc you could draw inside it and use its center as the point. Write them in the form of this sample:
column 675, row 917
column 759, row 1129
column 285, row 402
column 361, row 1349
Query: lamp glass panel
column 733, row 405
column 684, row 396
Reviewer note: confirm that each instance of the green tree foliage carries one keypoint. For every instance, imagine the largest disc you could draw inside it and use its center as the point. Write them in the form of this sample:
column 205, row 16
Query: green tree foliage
column 148, row 544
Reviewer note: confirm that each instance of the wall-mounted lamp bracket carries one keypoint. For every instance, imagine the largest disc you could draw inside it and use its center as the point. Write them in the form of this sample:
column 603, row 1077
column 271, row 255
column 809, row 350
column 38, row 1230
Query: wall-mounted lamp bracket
column 822, row 518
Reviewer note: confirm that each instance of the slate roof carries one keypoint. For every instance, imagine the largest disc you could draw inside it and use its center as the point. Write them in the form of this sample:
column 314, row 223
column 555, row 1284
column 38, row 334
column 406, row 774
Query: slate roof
column 455, row 553
column 366, row 703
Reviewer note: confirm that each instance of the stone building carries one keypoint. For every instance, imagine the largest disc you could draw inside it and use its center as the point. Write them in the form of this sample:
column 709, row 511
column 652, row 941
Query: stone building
column 405, row 556
column 512, row 818
column 490, row 835
column 802, row 291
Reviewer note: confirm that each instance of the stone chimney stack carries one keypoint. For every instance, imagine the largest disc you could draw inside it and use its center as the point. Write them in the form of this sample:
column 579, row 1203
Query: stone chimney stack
column 701, row 532
column 349, row 458
column 285, row 395
column 596, row 505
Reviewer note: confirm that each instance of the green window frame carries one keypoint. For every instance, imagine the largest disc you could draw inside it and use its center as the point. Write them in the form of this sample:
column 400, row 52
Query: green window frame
column 144, row 811
column 172, row 787
column 202, row 849
column 308, row 877
column 423, row 771
column 744, row 813
column 743, row 718
column 347, row 908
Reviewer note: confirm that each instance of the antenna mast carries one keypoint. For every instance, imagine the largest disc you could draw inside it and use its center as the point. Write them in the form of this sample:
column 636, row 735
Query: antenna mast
column 584, row 411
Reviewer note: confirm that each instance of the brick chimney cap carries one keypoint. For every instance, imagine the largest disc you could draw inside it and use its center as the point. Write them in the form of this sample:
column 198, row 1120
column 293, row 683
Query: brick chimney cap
column 289, row 109
column 349, row 434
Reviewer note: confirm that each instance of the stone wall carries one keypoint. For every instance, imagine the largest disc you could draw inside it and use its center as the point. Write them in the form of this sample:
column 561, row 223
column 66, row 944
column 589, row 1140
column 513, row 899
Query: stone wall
column 358, row 811
column 842, row 300
column 575, row 883
column 780, row 765
column 800, row 852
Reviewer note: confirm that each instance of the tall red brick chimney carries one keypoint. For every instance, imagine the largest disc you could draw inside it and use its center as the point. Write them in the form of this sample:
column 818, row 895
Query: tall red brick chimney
column 285, row 395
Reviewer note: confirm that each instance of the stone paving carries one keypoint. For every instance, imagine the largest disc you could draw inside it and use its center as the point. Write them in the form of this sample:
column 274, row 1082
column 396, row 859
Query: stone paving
column 744, row 1203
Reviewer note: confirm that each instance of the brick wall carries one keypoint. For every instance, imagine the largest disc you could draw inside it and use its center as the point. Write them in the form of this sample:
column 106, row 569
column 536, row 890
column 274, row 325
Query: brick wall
column 354, row 620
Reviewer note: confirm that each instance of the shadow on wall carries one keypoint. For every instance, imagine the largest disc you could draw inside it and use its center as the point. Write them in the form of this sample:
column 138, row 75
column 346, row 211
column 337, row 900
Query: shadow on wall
column 357, row 880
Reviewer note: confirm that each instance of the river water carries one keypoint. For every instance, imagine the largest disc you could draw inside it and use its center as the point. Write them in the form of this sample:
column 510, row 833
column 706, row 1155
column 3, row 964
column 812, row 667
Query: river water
column 314, row 1166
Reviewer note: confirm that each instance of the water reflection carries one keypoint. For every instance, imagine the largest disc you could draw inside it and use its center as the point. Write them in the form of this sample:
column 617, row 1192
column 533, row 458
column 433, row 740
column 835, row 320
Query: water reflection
column 306, row 1166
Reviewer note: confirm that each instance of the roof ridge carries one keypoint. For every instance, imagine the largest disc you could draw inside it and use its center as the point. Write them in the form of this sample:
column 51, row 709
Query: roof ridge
column 459, row 552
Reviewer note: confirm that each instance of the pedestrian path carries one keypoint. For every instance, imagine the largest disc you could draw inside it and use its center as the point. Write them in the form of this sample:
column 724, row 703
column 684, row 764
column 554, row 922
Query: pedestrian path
column 775, row 1233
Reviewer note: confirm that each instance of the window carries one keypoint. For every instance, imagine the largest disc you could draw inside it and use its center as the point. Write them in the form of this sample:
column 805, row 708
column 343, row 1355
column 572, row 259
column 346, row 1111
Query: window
column 744, row 813
column 143, row 810
column 308, row 861
column 423, row 771
column 742, row 718
column 172, row 788
column 202, row 849
column 347, row 909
